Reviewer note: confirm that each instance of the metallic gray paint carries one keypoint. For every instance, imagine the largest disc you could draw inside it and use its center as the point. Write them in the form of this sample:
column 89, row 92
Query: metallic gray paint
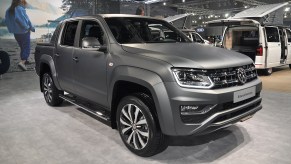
column 47, row 59
column 150, row 65
column 191, row 55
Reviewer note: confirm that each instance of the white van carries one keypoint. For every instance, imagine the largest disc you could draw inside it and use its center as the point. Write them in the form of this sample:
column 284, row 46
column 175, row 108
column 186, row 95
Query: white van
column 267, row 46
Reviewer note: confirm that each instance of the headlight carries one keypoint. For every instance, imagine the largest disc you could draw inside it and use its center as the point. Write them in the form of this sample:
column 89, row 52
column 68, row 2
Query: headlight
column 192, row 78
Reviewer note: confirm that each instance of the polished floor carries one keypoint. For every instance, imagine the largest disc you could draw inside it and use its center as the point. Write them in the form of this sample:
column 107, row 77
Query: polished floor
column 31, row 132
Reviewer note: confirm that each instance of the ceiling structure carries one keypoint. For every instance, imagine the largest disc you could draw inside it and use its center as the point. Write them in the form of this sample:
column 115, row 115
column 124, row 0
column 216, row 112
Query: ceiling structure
column 207, row 10
column 203, row 7
column 210, row 7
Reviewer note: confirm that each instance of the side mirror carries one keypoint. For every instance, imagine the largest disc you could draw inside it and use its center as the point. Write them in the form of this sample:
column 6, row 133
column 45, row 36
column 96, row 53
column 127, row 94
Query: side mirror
column 92, row 44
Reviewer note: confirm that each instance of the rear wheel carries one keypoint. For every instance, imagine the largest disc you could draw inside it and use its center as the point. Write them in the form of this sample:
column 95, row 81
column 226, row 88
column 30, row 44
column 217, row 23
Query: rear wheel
column 268, row 71
column 50, row 92
column 138, row 127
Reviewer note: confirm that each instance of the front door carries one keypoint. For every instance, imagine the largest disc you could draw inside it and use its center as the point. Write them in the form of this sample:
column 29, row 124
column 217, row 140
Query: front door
column 274, row 46
column 90, row 66
column 63, row 56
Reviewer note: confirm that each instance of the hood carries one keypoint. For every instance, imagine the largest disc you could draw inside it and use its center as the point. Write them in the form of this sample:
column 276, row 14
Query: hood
column 190, row 55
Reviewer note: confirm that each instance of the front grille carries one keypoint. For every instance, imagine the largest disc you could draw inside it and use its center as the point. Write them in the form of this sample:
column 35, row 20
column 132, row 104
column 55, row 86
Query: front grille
column 197, row 119
column 228, row 77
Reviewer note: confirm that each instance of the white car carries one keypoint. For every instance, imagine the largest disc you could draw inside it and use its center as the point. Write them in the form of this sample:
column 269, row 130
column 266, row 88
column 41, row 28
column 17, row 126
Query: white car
column 194, row 36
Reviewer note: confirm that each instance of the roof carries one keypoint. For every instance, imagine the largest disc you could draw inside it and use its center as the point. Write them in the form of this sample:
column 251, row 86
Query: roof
column 259, row 11
column 122, row 15
column 231, row 21
column 113, row 16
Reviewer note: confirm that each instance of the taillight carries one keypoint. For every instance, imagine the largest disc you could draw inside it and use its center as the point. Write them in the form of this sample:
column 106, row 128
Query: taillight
column 260, row 51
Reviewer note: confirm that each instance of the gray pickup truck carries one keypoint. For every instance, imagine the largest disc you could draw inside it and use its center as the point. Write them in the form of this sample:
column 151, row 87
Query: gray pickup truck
column 146, row 85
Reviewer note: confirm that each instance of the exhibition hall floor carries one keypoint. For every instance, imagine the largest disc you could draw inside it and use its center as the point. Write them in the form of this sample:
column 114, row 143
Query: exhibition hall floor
column 33, row 132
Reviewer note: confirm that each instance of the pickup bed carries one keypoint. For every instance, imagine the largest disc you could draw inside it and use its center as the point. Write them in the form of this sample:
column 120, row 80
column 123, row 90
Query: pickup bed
column 147, row 86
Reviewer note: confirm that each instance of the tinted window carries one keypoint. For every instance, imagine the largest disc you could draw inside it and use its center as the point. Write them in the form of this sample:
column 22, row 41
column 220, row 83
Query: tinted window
column 288, row 35
column 142, row 30
column 272, row 34
column 69, row 33
column 56, row 33
column 92, row 29
column 196, row 38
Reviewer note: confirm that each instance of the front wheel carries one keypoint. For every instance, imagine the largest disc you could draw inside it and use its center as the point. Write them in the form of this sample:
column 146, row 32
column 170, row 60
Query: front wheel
column 268, row 71
column 50, row 92
column 138, row 127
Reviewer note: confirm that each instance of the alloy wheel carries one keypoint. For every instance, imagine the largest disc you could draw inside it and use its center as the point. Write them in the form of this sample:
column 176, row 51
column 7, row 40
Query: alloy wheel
column 134, row 126
column 47, row 88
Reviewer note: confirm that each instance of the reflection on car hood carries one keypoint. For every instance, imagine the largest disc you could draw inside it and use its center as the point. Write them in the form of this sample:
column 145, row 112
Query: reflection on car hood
column 190, row 55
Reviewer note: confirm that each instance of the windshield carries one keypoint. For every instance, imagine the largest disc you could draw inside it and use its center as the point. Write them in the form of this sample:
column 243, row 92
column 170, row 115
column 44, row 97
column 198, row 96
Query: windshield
column 143, row 30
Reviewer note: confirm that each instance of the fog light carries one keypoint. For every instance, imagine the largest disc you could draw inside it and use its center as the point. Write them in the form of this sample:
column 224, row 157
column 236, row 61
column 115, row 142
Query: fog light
column 188, row 109
column 195, row 109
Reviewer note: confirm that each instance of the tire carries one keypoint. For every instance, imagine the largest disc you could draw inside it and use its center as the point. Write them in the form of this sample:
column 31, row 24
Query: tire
column 50, row 92
column 290, row 66
column 138, row 126
column 4, row 62
column 268, row 71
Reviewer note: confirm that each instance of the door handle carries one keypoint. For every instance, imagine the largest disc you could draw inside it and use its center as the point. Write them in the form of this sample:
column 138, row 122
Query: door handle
column 57, row 55
column 76, row 59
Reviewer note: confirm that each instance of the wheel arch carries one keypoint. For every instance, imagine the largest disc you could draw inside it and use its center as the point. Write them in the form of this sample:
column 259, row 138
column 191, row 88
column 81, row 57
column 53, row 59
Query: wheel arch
column 47, row 64
column 125, row 78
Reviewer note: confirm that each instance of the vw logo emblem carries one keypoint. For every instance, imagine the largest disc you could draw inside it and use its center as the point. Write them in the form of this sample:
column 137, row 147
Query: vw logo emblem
column 241, row 75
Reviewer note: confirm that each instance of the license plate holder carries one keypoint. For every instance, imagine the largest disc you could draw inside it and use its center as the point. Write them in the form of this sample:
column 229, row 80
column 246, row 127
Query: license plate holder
column 244, row 94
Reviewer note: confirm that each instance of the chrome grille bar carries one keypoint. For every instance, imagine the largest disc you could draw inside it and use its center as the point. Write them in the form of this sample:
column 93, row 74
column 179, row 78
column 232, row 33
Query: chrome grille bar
column 223, row 78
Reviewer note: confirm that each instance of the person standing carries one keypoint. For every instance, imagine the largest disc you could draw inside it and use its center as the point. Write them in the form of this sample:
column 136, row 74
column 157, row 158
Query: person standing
column 18, row 23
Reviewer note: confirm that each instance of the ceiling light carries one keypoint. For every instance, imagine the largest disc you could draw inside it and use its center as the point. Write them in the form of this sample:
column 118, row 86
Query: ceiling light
column 183, row 1
column 287, row 9
column 164, row 3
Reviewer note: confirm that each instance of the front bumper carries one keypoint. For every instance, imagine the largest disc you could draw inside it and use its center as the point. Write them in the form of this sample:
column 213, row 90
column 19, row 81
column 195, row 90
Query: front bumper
column 224, row 114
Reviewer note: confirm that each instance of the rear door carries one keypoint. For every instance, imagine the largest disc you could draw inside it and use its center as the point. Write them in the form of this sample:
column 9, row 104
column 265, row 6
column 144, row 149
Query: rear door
column 274, row 46
column 64, row 55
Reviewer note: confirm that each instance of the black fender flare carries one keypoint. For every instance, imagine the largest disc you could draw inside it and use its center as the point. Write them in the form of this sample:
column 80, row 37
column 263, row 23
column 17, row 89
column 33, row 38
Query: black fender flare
column 47, row 59
column 154, row 84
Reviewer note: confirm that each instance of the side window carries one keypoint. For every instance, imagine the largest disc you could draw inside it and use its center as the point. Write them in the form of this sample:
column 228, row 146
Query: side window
column 272, row 34
column 56, row 33
column 288, row 35
column 92, row 29
column 69, row 33
column 197, row 38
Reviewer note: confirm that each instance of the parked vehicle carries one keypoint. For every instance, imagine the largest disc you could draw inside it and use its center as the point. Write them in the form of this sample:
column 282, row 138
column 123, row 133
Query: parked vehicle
column 195, row 37
column 268, row 46
column 147, row 87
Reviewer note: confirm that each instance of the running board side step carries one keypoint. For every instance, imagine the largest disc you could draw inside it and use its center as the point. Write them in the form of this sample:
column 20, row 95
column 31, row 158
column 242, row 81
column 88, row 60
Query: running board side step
column 93, row 109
